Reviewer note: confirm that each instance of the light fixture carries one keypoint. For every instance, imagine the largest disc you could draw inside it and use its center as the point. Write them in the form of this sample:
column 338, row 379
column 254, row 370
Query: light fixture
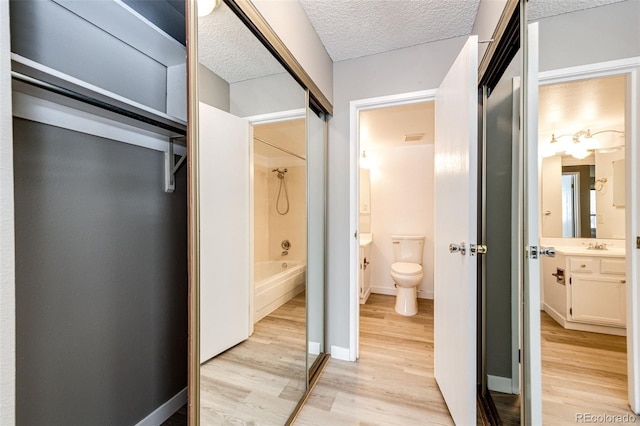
column 364, row 161
column 581, row 146
column 205, row 7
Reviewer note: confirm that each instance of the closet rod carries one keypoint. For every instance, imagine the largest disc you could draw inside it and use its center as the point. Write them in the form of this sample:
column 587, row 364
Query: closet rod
column 277, row 147
column 94, row 102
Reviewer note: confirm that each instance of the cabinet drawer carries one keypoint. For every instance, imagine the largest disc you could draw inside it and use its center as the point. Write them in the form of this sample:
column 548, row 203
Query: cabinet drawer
column 612, row 266
column 577, row 264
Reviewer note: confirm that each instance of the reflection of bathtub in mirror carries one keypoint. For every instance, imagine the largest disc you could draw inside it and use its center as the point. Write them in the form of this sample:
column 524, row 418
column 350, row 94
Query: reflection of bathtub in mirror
column 276, row 283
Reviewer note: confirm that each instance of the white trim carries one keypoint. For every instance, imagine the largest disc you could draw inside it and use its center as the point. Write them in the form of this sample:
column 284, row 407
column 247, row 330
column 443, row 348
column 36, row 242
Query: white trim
column 340, row 353
column 77, row 82
column 51, row 113
column 354, row 195
column 275, row 117
column 499, row 384
column 572, row 325
column 314, row 348
column 630, row 67
column 166, row 410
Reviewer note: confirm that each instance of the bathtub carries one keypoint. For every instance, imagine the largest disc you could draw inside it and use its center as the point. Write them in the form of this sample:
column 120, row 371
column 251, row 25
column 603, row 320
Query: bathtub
column 276, row 282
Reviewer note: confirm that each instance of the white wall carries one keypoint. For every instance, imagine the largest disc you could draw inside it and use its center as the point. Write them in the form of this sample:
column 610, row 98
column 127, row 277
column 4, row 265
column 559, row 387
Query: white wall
column 212, row 89
column 290, row 22
column 273, row 93
column 261, row 210
column 400, row 71
column 401, row 204
column 7, row 254
column 612, row 222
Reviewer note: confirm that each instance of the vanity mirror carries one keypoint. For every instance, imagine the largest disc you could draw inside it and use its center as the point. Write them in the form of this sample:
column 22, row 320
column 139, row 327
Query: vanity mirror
column 582, row 144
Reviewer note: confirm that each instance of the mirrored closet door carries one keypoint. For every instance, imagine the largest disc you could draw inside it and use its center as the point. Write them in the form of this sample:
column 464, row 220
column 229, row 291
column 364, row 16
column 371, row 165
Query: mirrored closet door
column 261, row 185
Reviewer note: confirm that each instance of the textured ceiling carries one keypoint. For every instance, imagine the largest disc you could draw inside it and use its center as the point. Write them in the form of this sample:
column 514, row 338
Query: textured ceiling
column 230, row 50
column 388, row 126
column 539, row 9
column 594, row 104
column 354, row 28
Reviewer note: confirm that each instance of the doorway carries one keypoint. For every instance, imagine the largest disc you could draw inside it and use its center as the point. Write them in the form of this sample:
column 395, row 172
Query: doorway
column 361, row 216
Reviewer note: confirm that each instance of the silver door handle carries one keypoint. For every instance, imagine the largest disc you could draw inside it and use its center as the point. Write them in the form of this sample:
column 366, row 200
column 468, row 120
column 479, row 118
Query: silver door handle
column 548, row 251
column 455, row 248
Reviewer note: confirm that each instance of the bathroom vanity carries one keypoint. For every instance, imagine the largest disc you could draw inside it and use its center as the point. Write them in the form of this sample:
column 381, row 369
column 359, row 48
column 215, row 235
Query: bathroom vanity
column 365, row 272
column 585, row 289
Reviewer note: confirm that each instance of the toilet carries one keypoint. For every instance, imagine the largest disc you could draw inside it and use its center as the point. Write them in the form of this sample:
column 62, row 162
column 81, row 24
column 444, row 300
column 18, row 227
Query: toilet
column 406, row 271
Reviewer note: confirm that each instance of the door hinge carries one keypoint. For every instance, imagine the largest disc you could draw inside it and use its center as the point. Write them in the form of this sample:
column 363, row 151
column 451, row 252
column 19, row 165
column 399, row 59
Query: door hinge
column 519, row 356
column 571, row 311
column 570, row 280
column 355, row 235
column 638, row 243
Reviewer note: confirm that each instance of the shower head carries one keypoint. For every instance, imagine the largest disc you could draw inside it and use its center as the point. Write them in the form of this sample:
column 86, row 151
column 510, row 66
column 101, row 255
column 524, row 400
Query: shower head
column 280, row 172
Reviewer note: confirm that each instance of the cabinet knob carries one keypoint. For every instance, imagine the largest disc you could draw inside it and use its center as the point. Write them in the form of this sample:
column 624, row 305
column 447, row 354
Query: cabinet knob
column 583, row 266
column 623, row 281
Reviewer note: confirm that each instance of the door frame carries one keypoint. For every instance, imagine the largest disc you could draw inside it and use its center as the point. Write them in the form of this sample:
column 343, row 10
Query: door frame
column 353, row 352
column 256, row 120
column 631, row 68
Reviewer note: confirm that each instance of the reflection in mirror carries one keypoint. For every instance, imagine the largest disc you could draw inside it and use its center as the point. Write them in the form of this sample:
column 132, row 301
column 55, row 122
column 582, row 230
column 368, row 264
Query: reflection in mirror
column 252, row 275
column 585, row 124
column 581, row 135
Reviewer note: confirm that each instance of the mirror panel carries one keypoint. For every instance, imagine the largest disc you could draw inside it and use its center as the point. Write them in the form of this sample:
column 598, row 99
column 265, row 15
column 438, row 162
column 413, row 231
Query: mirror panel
column 585, row 46
column 581, row 134
column 258, row 376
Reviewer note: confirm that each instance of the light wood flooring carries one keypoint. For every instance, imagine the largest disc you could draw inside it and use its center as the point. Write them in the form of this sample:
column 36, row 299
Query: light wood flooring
column 261, row 380
column 392, row 383
column 582, row 372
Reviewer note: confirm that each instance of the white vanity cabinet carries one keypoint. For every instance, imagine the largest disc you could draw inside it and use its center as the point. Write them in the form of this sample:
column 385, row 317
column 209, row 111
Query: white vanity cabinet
column 586, row 291
column 597, row 291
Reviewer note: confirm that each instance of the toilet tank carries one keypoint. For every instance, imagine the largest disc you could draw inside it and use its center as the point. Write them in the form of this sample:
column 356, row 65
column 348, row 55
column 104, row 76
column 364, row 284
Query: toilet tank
column 408, row 248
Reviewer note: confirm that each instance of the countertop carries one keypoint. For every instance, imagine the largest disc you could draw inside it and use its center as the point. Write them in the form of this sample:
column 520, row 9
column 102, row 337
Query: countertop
column 583, row 251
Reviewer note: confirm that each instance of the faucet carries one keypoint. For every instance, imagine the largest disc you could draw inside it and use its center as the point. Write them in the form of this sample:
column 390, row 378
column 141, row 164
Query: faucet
column 597, row 246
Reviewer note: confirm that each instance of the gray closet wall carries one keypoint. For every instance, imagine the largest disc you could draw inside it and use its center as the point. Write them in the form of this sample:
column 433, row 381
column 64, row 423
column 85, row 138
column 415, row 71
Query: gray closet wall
column 101, row 279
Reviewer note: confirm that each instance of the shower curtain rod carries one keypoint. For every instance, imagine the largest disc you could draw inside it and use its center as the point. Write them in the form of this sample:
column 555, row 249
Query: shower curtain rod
column 281, row 149
column 95, row 102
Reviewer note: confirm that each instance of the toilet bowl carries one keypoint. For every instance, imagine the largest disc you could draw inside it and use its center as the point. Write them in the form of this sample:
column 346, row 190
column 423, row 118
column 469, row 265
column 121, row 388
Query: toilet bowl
column 407, row 272
column 407, row 277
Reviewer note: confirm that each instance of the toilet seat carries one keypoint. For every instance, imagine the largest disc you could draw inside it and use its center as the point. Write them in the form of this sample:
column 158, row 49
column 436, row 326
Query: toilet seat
column 406, row 268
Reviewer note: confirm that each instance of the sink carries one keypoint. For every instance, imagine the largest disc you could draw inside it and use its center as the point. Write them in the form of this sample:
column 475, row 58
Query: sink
column 365, row 239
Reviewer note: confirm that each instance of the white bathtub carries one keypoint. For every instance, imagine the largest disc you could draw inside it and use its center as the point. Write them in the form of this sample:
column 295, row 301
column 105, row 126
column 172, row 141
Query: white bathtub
column 276, row 282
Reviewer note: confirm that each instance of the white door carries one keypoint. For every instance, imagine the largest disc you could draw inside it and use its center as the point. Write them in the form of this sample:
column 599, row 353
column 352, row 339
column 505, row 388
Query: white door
column 531, row 362
column 456, row 218
column 224, row 230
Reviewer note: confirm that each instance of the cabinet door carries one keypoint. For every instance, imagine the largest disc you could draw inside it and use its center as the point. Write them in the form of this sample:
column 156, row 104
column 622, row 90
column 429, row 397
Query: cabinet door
column 598, row 300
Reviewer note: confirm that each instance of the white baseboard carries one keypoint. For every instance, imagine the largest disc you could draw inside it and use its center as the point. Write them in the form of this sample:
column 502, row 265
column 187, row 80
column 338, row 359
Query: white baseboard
column 499, row 384
column 340, row 353
column 166, row 410
column 593, row 328
column 391, row 291
column 314, row 348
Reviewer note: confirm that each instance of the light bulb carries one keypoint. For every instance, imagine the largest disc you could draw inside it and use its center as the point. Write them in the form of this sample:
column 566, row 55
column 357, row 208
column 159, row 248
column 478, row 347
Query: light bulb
column 205, row 7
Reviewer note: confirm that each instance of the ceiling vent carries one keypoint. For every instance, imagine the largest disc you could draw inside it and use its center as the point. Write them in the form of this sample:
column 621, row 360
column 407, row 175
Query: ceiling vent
column 414, row 137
